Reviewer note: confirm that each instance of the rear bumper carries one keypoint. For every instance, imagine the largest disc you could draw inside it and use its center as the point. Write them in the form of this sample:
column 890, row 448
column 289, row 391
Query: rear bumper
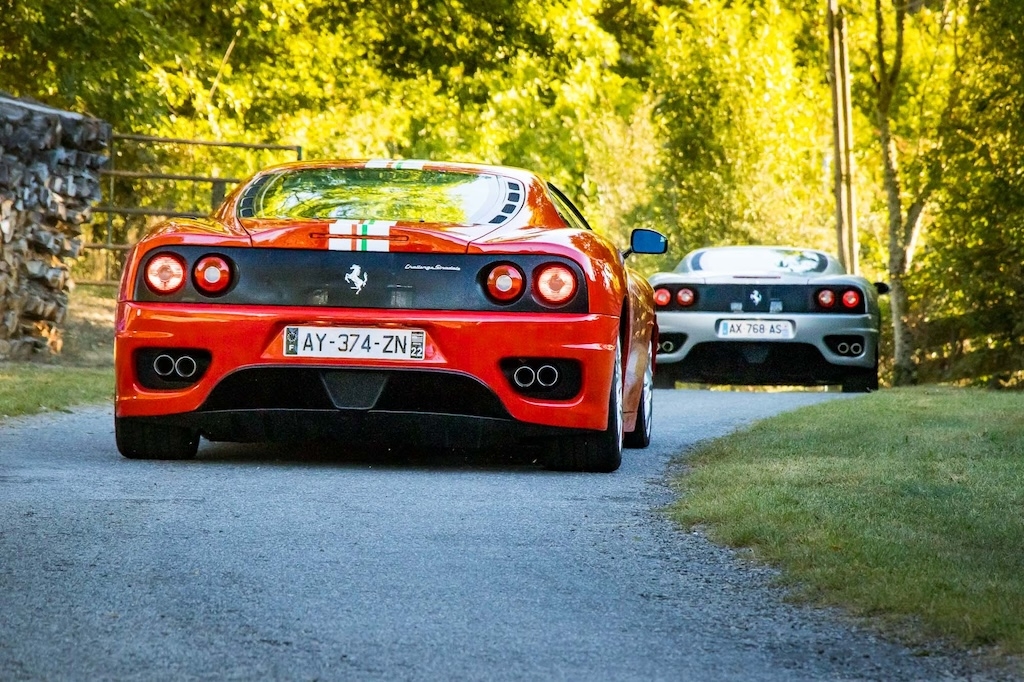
column 368, row 428
column 811, row 357
column 248, row 382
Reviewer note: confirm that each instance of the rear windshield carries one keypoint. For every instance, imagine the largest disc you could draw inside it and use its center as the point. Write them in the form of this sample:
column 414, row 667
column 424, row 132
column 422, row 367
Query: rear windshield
column 795, row 261
column 405, row 195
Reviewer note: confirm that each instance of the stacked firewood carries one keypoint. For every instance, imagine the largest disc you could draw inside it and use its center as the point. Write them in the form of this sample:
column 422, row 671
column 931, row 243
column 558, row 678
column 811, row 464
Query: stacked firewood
column 49, row 179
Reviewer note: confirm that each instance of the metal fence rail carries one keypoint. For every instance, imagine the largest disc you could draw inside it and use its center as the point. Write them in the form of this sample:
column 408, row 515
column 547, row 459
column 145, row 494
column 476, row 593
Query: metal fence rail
column 218, row 186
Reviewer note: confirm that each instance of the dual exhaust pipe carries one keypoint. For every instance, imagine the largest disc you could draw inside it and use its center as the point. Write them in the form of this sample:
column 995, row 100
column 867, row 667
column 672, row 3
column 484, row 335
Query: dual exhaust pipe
column 848, row 348
column 162, row 369
column 851, row 349
column 526, row 377
column 671, row 342
column 183, row 367
column 543, row 378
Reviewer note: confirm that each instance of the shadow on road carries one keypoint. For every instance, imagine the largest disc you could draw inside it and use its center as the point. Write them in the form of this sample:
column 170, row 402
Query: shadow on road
column 340, row 454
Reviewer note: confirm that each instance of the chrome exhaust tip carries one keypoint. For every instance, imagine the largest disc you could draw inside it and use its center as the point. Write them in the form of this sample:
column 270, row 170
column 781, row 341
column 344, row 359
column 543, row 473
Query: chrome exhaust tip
column 547, row 376
column 843, row 348
column 524, row 376
column 163, row 365
column 185, row 366
column 856, row 349
column 666, row 346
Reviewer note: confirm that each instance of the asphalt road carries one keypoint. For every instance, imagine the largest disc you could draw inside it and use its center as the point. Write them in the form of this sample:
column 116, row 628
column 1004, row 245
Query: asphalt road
column 296, row 564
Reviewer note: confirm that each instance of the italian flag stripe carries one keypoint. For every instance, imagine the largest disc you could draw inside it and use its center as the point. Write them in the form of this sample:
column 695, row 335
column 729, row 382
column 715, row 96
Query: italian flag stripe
column 361, row 235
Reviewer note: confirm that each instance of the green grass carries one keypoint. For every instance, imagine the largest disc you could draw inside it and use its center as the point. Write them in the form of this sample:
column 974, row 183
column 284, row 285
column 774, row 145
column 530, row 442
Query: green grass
column 82, row 373
column 906, row 505
column 27, row 388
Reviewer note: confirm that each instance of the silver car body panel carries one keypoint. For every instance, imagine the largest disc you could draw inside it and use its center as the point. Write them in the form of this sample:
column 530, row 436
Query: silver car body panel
column 809, row 328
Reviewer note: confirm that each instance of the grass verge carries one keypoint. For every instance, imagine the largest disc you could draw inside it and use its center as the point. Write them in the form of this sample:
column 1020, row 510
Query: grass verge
column 27, row 388
column 82, row 373
column 905, row 504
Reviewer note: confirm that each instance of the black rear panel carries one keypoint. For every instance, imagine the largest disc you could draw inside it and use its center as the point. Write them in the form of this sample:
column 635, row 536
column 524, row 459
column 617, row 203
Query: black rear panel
column 353, row 279
column 754, row 363
column 407, row 409
column 311, row 388
column 759, row 298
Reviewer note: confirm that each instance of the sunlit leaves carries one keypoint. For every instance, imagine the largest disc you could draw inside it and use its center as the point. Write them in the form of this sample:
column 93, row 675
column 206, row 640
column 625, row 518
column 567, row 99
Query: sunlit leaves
column 707, row 119
column 746, row 125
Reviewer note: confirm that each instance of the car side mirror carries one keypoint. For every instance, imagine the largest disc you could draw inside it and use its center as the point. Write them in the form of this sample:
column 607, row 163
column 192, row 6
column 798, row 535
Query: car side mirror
column 643, row 240
column 882, row 288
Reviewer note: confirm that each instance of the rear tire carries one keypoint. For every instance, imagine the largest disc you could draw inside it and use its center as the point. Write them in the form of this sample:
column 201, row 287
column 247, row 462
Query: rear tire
column 863, row 381
column 664, row 378
column 598, row 451
column 860, row 383
column 640, row 436
column 142, row 439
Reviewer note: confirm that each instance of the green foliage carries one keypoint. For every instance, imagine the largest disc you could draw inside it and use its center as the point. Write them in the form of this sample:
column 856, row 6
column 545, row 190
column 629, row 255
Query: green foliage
column 969, row 287
column 744, row 114
column 84, row 55
column 707, row 119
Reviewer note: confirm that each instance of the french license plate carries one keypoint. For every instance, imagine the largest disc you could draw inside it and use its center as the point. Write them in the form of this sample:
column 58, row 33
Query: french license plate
column 755, row 329
column 368, row 343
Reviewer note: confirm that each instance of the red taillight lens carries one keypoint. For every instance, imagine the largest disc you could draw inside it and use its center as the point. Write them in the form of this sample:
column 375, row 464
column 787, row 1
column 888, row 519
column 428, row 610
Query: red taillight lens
column 851, row 299
column 686, row 297
column 826, row 298
column 165, row 273
column 505, row 283
column 662, row 297
column 555, row 284
column 212, row 274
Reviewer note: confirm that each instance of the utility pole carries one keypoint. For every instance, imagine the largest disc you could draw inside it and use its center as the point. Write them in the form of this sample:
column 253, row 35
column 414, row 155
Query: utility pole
column 842, row 138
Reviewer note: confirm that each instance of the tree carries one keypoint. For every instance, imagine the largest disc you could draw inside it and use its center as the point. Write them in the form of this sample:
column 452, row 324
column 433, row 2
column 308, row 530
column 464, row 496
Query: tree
column 707, row 119
column 969, row 284
column 913, row 87
column 742, row 108
column 83, row 55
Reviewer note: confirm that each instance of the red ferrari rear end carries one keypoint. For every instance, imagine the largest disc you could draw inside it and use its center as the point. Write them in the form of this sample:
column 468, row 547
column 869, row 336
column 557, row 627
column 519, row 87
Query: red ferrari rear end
column 381, row 302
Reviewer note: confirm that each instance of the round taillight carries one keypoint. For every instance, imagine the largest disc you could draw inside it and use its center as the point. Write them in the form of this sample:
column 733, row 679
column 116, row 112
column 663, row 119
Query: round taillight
column 662, row 297
column 505, row 283
column 212, row 274
column 555, row 285
column 686, row 297
column 826, row 298
column 851, row 299
column 165, row 273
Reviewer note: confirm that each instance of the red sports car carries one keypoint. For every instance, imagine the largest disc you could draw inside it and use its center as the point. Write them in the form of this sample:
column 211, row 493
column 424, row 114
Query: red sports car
column 387, row 302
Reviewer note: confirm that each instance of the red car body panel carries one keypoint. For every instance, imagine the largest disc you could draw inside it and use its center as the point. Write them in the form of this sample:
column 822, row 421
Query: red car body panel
column 466, row 342
column 445, row 349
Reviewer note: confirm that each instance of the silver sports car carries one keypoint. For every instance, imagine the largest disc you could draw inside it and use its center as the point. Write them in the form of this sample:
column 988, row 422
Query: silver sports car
column 766, row 315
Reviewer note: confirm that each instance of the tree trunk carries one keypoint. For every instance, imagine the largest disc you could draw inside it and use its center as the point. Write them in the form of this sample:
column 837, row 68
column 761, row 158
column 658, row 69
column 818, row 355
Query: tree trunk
column 904, row 368
column 903, row 231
